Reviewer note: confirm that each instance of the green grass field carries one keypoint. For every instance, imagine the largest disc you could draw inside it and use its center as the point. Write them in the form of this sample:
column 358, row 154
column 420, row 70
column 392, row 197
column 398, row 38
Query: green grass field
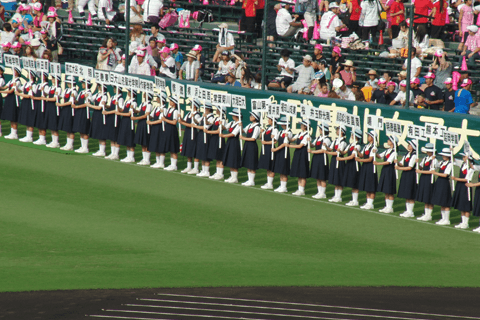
column 72, row 221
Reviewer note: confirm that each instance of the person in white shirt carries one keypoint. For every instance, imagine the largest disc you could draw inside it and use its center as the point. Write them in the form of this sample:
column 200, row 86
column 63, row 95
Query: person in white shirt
column 91, row 8
column 416, row 66
column 135, row 12
column 286, row 67
column 142, row 67
column 341, row 89
column 225, row 42
column 105, row 11
column 306, row 75
column 371, row 11
column 167, row 68
column 38, row 47
column 287, row 24
column 401, row 95
column 190, row 68
column 151, row 11
column 331, row 23
column 121, row 66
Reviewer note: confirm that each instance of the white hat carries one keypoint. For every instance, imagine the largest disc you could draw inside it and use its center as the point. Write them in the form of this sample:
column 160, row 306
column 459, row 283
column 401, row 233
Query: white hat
column 307, row 57
column 403, row 83
column 358, row 133
column 393, row 138
column 333, row 5
column 445, row 152
column 305, row 122
column 342, row 128
column 70, row 78
column 473, row 28
column 439, row 53
column 413, row 143
column 324, row 126
column 372, row 134
column 282, row 121
column 255, row 114
column 173, row 99
column 35, row 42
column 235, row 112
column 429, row 147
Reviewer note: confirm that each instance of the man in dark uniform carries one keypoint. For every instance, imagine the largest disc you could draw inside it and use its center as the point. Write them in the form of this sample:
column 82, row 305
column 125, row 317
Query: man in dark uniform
column 378, row 96
column 449, row 96
column 433, row 94
column 414, row 83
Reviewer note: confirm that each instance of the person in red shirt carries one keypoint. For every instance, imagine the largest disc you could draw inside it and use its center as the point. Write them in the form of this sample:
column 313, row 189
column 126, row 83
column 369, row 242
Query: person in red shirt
column 355, row 11
column 397, row 14
column 438, row 24
column 259, row 17
column 421, row 8
column 247, row 22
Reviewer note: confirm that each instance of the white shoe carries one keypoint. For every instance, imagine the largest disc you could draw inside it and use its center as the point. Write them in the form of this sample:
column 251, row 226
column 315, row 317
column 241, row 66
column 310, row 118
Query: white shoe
column 203, row 174
column 335, row 199
column 298, row 193
column 248, row 183
column 186, row 170
column 128, row 160
column 171, row 168
column 425, row 218
column 26, row 139
column 367, row 206
column 462, row 226
column 69, row 148
column 319, row 196
column 156, row 165
column 231, row 180
column 81, row 150
column 407, row 214
column 97, row 154
column 193, row 171
column 40, row 142
column 218, row 176
column 53, row 145
column 267, row 186
column 11, row 136
column 386, row 210
column 114, row 157
column 281, row 190
column 352, row 203
column 476, row 230
column 144, row 162
column 443, row 222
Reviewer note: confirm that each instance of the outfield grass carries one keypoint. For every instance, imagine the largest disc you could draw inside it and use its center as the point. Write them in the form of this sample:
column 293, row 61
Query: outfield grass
column 71, row 222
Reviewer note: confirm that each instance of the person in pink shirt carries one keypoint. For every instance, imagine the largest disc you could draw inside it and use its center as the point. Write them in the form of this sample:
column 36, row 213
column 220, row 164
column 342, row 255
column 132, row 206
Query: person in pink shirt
column 472, row 46
column 465, row 19
column 348, row 73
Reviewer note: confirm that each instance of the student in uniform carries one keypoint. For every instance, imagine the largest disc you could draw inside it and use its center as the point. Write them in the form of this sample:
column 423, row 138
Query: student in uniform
column 266, row 160
column 203, row 139
column 476, row 202
column 337, row 168
column 250, row 149
column 40, row 92
column 320, row 169
column 170, row 140
column 112, row 122
column 216, row 148
column 460, row 195
column 81, row 118
column 425, row 185
column 368, row 181
column 52, row 111
column 281, row 153
column 126, row 131
column 27, row 109
column 442, row 191
column 352, row 167
column 408, row 181
column 388, row 182
column 232, row 156
column 10, row 109
column 142, row 137
column 156, row 130
column 189, row 143
column 97, row 127
column 65, row 120
column 2, row 86
column 300, row 165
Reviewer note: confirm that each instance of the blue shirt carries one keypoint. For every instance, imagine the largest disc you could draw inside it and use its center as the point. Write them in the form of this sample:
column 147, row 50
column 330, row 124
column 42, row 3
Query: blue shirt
column 178, row 57
column 463, row 100
column 236, row 84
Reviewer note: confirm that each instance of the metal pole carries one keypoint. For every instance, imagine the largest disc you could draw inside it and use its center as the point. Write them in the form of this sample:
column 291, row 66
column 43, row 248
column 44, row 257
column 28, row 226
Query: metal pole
column 127, row 34
column 409, row 58
column 264, row 45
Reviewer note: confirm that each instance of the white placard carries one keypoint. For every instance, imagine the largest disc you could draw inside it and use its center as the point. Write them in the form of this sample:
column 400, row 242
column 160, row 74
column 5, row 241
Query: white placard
column 224, row 99
column 239, row 101
column 305, row 111
column 434, row 131
column 315, row 114
column 193, row 91
column 11, row 60
column 89, row 73
column 160, row 83
column 273, row 109
column 348, row 120
column 374, row 122
column 205, row 95
column 288, row 108
column 42, row 65
column 28, row 63
column 393, row 128
column 71, row 69
column 178, row 89
column 259, row 105
column 55, row 68
column 451, row 138
column 102, row 77
column 416, row 132
column 1, row 57
column 326, row 115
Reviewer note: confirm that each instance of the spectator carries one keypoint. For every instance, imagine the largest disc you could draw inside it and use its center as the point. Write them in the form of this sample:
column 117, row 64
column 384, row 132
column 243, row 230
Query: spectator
column 463, row 98
column 121, row 66
column 225, row 42
column 378, row 96
column 322, row 67
column 247, row 78
column 401, row 96
column 176, row 55
column 400, row 43
column 433, row 94
column 286, row 67
column 47, row 55
column 25, row 14
column 91, row 8
column 37, row 47
column 2, row 13
column 134, row 11
column 118, row 51
column 257, row 82
column 17, row 49
column 355, row 12
column 348, row 73
column 343, row 92
column 231, row 79
column 359, row 95
column 142, row 67
column 419, row 101
column 152, row 49
column 449, row 96
column 247, row 22
column 439, row 13
column 155, row 33
column 38, row 16
column 305, row 77
column 271, row 25
column 8, row 34
column 167, row 68
column 371, row 13
column 330, row 23
column 160, row 44
column 223, row 68
column 337, row 60
column 402, row 76
column 465, row 20
column 471, row 47
column 414, row 87
column 443, row 68
column 106, row 58
column 53, row 34
column 421, row 40
column 152, row 9
column 137, row 36
column 201, row 59
column 416, row 65
column 372, row 79
column 397, row 14
column 388, row 77
column 317, row 56
column 422, row 7
column 30, row 53
column 390, row 93
column 190, row 68
column 316, row 83
column 310, row 15
column 323, row 91
column 287, row 25
column 260, row 8
column 106, row 11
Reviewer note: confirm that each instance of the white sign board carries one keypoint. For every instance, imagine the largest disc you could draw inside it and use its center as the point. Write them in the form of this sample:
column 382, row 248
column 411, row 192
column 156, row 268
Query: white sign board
column 193, row 91
column 28, row 63
column 160, row 83
column 451, row 138
column 434, row 131
column 416, row 132
column 205, row 95
column 223, row 99
column 42, row 65
column 273, row 110
column 146, row 86
column 239, row 101
column 71, row 69
column 393, row 128
column 348, row 120
column 178, row 89
column 55, row 68
column 11, row 60
column 260, row 105
column 102, row 77
column 374, row 122
column 288, row 108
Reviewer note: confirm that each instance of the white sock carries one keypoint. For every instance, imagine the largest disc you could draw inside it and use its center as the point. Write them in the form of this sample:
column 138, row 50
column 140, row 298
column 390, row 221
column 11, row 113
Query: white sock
column 428, row 211
column 41, row 138
column 173, row 162
column 466, row 220
column 233, row 174
column 29, row 134
column 189, row 164
column 203, row 168
column 220, row 170
column 147, row 156
column 195, row 165
column 131, row 154
column 321, row 189
column 370, row 201
column 143, row 155
column 410, row 207
column 302, row 189
column 207, row 169
column 339, row 193
column 162, row 160
column 283, row 184
column 249, row 175
column 355, row 196
column 158, row 160
column 389, row 204
column 14, row 131
column 269, row 181
column 101, row 146
column 117, row 150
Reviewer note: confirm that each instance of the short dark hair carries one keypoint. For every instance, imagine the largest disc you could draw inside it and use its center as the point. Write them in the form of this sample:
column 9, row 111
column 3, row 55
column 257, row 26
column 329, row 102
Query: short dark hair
column 7, row 26
column 414, row 50
column 285, row 53
column 403, row 24
column 156, row 26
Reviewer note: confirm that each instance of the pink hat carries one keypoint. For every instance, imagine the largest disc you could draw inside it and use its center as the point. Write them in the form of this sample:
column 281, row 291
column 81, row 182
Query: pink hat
column 26, row 7
column 391, row 83
column 20, row 7
column 43, row 32
column 319, row 47
column 466, row 82
column 123, row 57
column 337, row 50
column 51, row 14
column 415, row 80
column 7, row 45
column 165, row 50
column 173, row 46
column 197, row 47
column 162, row 40
column 142, row 48
column 403, row 83
column 37, row 6
column 430, row 75
column 140, row 53
column 16, row 45
column 448, row 81
column 52, row 9
column 382, row 81
column 439, row 53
